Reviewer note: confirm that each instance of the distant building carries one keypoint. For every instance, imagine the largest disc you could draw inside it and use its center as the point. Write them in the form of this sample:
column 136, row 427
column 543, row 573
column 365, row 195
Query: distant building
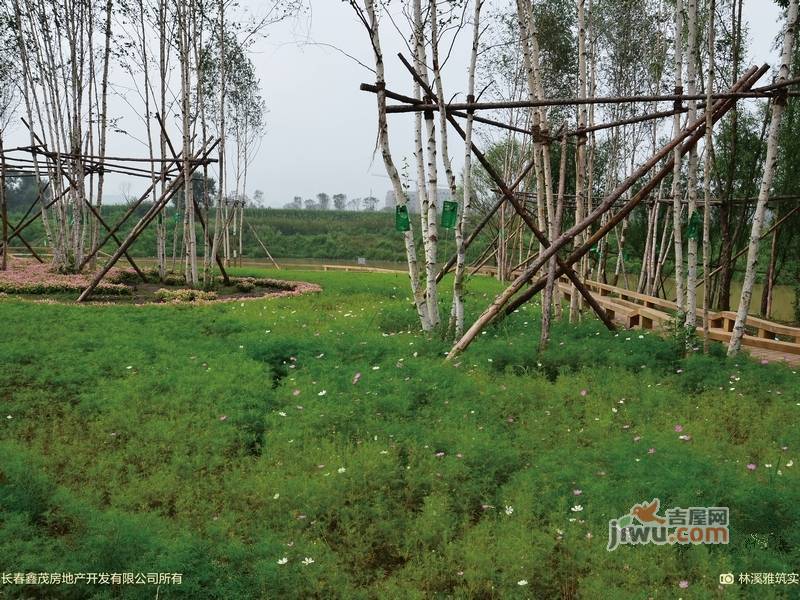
column 442, row 194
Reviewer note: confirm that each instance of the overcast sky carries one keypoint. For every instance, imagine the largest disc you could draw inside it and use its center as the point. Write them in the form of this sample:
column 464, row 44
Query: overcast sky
column 320, row 127
column 321, row 132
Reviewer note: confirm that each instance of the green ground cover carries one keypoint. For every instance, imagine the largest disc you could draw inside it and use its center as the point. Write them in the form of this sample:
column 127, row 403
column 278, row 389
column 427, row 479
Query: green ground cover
column 236, row 443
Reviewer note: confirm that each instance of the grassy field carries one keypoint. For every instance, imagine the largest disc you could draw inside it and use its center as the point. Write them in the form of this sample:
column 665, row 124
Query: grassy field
column 319, row 446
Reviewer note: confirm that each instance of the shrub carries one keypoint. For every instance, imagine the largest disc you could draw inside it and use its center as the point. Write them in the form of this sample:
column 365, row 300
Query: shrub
column 174, row 279
column 128, row 277
column 246, row 285
column 41, row 288
column 185, row 295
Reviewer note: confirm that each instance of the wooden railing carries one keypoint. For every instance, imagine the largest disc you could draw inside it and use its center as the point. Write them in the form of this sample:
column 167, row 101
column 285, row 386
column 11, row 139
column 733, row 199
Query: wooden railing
column 633, row 309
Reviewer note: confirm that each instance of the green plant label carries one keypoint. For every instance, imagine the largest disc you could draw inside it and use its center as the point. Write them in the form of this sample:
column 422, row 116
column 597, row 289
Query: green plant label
column 695, row 227
column 449, row 214
column 401, row 220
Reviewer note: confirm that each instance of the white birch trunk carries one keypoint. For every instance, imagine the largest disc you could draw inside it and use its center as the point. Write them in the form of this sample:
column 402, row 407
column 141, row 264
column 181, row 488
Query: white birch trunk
column 778, row 108
column 458, row 281
column 185, row 22
column 391, row 169
column 676, row 174
column 707, row 175
column 555, row 226
column 691, row 183
column 580, row 152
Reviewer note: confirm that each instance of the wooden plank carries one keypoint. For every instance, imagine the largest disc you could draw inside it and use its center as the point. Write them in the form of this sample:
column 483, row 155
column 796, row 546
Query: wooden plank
column 767, row 326
column 756, row 342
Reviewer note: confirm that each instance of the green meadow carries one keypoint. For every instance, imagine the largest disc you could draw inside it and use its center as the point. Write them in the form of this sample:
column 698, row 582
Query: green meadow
column 320, row 447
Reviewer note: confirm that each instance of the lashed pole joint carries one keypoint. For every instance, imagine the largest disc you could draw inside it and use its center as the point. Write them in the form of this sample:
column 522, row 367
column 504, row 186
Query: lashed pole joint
column 692, row 135
column 509, row 195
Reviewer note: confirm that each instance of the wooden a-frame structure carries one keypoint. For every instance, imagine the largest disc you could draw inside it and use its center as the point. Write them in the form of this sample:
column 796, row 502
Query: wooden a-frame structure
column 661, row 163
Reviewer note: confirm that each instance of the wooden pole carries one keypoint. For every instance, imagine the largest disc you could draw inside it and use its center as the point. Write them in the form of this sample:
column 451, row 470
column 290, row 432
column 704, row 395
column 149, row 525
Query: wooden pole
column 763, row 92
column 131, row 209
column 198, row 212
column 3, row 207
column 484, row 221
column 255, row 235
column 55, row 158
column 137, row 230
column 763, row 235
column 694, row 132
column 523, row 213
column 691, row 135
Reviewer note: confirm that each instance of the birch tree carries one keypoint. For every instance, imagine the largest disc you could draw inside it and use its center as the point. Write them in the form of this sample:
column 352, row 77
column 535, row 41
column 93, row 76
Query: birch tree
column 186, row 23
column 707, row 174
column 580, row 158
column 9, row 101
column 691, row 181
column 369, row 18
column 677, row 197
column 457, row 312
column 778, row 108
column 56, row 43
column 429, row 208
column 555, row 230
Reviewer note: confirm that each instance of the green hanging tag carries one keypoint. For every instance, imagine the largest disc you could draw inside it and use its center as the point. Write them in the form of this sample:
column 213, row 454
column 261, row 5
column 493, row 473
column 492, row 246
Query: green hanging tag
column 449, row 214
column 694, row 229
column 595, row 251
column 401, row 220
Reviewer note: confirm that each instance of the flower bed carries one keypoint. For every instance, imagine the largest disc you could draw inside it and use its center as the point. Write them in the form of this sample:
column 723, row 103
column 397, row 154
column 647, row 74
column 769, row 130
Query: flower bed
column 32, row 277
column 28, row 277
column 183, row 295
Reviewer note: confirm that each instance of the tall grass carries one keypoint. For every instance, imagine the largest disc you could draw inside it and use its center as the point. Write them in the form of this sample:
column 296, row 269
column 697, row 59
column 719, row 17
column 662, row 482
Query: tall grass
column 219, row 440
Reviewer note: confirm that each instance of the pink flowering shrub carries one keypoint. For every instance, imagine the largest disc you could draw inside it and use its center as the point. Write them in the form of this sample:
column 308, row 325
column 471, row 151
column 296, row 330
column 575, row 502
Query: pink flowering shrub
column 32, row 277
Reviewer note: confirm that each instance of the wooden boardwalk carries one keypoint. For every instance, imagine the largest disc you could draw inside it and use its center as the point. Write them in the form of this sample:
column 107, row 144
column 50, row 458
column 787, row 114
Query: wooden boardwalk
column 763, row 339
